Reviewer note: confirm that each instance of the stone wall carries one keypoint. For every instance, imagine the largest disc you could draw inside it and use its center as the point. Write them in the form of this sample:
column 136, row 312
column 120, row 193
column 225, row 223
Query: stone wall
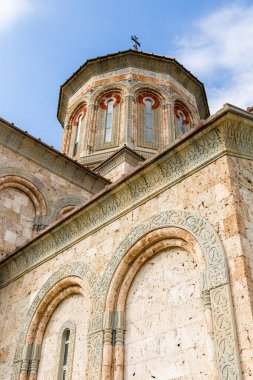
column 50, row 364
column 17, row 216
column 210, row 197
column 165, row 327
column 31, row 198
column 241, row 260
column 192, row 215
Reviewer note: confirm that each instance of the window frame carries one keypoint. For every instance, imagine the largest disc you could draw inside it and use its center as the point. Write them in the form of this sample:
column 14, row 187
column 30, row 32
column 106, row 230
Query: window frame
column 109, row 120
column 182, row 119
column 70, row 327
column 77, row 133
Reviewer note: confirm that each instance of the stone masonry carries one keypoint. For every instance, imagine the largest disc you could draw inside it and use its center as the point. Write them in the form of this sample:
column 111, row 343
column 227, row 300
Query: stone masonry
column 149, row 275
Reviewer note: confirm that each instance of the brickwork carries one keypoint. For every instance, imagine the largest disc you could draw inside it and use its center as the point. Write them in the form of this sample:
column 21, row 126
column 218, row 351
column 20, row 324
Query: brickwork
column 130, row 89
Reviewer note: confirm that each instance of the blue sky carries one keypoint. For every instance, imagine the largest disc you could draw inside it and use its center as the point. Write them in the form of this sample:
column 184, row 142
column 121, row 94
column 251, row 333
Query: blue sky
column 42, row 42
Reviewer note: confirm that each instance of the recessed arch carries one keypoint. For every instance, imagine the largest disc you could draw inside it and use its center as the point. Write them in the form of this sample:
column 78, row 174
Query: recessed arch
column 148, row 246
column 76, row 278
column 80, row 108
column 153, row 91
column 65, row 211
column 108, row 89
column 29, row 189
column 73, row 127
column 214, row 282
column 107, row 118
column 63, row 203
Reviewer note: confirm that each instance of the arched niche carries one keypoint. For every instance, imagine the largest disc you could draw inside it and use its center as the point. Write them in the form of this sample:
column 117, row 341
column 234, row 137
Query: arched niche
column 23, row 208
column 63, row 205
column 29, row 189
column 70, row 280
column 73, row 132
column 148, row 239
column 107, row 118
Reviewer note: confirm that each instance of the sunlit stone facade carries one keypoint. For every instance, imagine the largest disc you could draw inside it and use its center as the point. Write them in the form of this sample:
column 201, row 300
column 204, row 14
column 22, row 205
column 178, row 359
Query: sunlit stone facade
column 129, row 254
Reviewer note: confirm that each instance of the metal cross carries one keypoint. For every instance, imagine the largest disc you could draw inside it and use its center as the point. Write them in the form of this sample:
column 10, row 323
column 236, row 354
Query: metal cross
column 136, row 44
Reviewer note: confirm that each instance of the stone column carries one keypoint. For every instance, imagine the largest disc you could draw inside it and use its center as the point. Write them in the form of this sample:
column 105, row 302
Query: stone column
column 171, row 126
column 86, row 132
column 66, row 139
column 119, row 325
column 128, row 123
column 25, row 362
column 34, row 364
column 213, row 368
column 107, row 345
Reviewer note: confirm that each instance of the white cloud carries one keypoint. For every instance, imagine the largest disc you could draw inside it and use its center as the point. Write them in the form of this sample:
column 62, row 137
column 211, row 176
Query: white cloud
column 11, row 11
column 219, row 50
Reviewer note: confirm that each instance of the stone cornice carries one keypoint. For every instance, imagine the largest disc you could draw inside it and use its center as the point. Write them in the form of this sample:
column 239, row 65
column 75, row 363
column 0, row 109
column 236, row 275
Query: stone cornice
column 124, row 154
column 49, row 158
column 137, row 59
column 228, row 132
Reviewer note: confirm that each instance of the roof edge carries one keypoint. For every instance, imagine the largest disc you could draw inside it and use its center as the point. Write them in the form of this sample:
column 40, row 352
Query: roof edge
column 132, row 51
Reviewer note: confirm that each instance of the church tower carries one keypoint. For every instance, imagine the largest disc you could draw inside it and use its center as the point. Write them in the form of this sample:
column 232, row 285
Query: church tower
column 128, row 255
column 120, row 109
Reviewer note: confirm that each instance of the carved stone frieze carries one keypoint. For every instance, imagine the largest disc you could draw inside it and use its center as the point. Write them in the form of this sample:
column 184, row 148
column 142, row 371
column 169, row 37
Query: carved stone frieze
column 225, row 334
column 171, row 167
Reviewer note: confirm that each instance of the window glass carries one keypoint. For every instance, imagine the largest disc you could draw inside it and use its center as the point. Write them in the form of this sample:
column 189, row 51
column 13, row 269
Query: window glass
column 109, row 116
column 148, row 104
column 181, row 124
column 77, row 134
column 65, row 353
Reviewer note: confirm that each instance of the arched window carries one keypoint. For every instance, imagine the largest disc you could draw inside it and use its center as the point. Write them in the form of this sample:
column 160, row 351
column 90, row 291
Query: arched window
column 109, row 116
column 181, row 124
column 64, row 356
column 76, row 125
column 148, row 103
column 108, row 120
column 182, row 119
column 77, row 134
column 148, row 120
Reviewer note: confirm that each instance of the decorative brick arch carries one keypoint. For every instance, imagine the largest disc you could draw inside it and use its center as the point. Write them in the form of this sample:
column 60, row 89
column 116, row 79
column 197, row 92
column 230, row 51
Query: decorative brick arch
column 99, row 93
column 29, row 189
column 149, row 238
column 76, row 278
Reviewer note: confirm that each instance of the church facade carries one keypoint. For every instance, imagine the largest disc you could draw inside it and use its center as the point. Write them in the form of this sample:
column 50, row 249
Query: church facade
column 129, row 254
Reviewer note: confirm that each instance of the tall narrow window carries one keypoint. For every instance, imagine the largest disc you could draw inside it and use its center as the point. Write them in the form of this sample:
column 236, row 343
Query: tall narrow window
column 108, row 125
column 148, row 104
column 65, row 351
column 182, row 119
column 148, row 120
column 77, row 134
column 181, row 124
